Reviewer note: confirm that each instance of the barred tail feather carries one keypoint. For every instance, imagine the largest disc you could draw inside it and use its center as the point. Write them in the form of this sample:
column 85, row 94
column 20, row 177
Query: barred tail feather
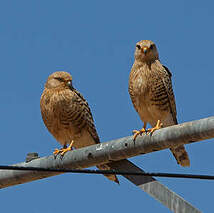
column 110, row 177
column 181, row 155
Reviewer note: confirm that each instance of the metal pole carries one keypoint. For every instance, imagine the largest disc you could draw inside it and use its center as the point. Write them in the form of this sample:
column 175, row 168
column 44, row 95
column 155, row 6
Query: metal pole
column 117, row 150
column 113, row 151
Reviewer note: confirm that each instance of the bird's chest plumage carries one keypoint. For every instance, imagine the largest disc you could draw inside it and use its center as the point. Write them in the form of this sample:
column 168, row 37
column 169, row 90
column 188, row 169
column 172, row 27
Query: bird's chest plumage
column 57, row 115
column 141, row 83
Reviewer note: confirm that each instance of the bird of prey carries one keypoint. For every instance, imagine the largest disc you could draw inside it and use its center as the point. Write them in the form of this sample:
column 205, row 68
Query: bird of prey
column 67, row 116
column 151, row 92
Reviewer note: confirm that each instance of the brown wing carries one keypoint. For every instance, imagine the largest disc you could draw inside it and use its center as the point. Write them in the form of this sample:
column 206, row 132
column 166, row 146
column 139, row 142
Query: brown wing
column 46, row 109
column 168, row 85
column 134, row 74
column 179, row 152
column 79, row 114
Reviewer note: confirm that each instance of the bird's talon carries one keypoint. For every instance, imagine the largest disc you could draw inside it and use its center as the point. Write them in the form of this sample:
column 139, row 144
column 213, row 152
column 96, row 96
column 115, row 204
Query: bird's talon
column 159, row 125
column 63, row 150
column 56, row 152
column 138, row 132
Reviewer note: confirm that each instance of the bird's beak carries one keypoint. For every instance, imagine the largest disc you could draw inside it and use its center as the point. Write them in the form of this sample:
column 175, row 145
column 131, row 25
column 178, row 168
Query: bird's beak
column 145, row 50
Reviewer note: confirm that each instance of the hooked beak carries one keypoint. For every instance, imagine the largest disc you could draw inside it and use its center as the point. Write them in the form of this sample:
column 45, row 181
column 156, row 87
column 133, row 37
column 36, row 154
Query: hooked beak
column 145, row 50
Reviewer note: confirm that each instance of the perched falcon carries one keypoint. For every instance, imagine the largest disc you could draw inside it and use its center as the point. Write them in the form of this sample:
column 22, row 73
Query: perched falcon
column 67, row 116
column 151, row 92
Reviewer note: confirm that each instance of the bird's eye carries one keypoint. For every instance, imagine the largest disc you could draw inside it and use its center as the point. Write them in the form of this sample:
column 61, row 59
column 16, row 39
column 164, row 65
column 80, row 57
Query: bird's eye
column 59, row 79
column 138, row 46
column 151, row 47
column 69, row 84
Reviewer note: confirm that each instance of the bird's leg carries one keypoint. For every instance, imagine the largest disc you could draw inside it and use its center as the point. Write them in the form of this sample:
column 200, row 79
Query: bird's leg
column 57, row 151
column 139, row 132
column 159, row 125
column 64, row 149
column 69, row 148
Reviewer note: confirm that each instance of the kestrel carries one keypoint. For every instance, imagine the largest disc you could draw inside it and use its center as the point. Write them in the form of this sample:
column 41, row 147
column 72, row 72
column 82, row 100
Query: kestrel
column 67, row 116
column 151, row 92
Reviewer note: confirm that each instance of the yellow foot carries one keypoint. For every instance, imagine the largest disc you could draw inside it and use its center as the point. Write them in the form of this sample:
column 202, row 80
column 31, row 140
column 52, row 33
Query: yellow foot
column 63, row 150
column 159, row 125
column 138, row 132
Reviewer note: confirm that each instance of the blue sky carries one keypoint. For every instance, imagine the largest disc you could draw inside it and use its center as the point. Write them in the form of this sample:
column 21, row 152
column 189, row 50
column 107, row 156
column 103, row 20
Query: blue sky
column 95, row 42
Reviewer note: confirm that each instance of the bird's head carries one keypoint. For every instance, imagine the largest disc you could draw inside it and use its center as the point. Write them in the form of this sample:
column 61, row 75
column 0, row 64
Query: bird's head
column 146, row 51
column 59, row 80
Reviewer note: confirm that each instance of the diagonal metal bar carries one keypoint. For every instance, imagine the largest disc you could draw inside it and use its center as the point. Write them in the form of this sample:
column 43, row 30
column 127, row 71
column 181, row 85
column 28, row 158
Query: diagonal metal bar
column 155, row 189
